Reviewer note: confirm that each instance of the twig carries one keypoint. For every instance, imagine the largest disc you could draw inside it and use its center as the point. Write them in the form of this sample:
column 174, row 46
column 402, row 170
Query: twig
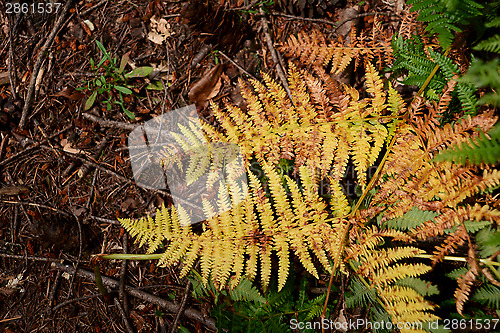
column 84, row 170
column 91, row 192
column 11, row 68
column 39, row 60
column 363, row 15
column 35, row 205
column 101, row 219
column 3, row 144
column 93, row 7
column 60, row 305
column 169, row 306
column 124, row 316
column 178, row 315
column 200, row 55
column 10, row 319
column 237, row 66
column 35, row 145
column 80, row 240
column 45, row 135
column 273, row 52
column 109, row 123
column 20, row 257
column 53, row 291
column 14, row 226
column 316, row 20
column 130, row 181
column 123, row 272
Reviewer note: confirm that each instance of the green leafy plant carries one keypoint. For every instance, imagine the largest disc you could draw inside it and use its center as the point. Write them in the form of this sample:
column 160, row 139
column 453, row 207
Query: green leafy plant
column 445, row 16
column 411, row 59
column 245, row 309
column 110, row 79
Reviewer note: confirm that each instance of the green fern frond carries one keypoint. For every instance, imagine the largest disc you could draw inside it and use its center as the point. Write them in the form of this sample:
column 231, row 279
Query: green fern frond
column 424, row 288
column 480, row 150
column 491, row 44
column 475, row 226
column 246, row 291
column 485, row 74
column 488, row 240
column 488, row 295
column 466, row 92
column 409, row 56
column 445, row 16
column 411, row 219
column 360, row 295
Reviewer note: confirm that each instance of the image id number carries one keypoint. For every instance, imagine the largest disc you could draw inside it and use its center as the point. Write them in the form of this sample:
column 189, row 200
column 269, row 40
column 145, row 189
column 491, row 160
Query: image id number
column 24, row 8
column 485, row 324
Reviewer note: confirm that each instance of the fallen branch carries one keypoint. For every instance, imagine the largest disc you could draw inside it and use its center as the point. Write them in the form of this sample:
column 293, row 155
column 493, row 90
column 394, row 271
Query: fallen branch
column 293, row 17
column 167, row 305
column 39, row 60
column 236, row 64
column 109, row 123
column 274, row 54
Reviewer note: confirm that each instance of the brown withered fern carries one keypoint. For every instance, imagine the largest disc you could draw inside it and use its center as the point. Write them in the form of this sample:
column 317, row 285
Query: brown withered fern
column 313, row 48
column 439, row 191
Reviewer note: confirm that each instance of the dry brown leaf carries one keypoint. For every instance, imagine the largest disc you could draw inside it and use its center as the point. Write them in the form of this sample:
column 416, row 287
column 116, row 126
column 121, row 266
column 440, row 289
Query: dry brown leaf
column 216, row 90
column 70, row 93
column 202, row 90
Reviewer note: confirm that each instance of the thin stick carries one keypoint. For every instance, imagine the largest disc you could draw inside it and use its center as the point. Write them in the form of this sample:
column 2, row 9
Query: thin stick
column 88, row 10
column 35, row 145
column 123, row 273
column 19, row 257
column 315, row 20
column 173, row 328
column 363, row 15
column 130, row 181
column 274, row 54
column 39, row 60
column 237, row 66
column 169, row 306
column 109, row 123
column 124, row 316
column 11, row 68
column 60, row 305
column 53, row 291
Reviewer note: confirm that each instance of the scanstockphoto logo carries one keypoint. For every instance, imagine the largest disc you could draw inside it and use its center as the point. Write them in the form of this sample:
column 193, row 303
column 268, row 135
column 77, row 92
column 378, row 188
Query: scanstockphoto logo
column 170, row 152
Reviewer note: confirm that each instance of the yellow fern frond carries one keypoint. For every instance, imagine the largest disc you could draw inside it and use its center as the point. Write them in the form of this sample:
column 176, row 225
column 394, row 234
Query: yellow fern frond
column 376, row 88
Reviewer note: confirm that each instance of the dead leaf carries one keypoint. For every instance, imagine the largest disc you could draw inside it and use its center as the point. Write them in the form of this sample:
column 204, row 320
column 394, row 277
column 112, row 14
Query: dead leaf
column 68, row 148
column 138, row 320
column 88, row 26
column 129, row 204
column 78, row 211
column 202, row 90
column 70, row 93
column 216, row 90
column 160, row 30
column 4, row 78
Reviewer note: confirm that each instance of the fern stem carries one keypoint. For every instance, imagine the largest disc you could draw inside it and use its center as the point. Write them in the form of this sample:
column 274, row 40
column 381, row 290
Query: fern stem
column 374, row 178
column 367, row 285
column 129, row 256
column 487, row 262
column 431, row 75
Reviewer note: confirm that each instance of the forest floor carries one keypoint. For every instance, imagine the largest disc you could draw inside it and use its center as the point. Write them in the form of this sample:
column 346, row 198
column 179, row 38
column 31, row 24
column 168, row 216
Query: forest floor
column 65, row 172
